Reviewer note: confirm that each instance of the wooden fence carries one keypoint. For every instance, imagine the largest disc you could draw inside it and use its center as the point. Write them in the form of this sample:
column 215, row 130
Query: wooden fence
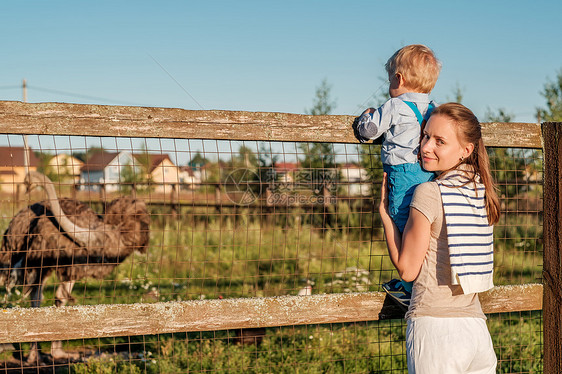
column 44, row 324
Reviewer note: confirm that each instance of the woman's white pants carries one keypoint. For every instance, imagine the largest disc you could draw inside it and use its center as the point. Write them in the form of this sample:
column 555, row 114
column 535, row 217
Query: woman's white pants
column 449, row 346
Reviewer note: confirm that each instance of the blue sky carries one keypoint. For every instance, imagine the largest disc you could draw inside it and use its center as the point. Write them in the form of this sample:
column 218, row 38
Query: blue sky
column 271, row 55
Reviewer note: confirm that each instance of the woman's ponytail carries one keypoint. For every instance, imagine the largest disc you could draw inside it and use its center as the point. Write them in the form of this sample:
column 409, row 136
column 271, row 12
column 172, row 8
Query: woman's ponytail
column 482, row 167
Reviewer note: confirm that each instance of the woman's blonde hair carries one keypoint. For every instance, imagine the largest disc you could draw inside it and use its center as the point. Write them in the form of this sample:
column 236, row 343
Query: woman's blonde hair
column 469, row 131
column 418, row 66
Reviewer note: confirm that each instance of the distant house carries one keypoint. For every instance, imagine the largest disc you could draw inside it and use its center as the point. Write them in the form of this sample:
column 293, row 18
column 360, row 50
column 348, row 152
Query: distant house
column 105, row 168
column 357, row 179
column 12, row 167
column 162, row 171
column 190, row 178
column 284, row 172
column 66, row 166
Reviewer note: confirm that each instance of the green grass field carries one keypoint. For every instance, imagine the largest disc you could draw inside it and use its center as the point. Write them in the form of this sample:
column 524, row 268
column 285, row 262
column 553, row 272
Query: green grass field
column 207, row 256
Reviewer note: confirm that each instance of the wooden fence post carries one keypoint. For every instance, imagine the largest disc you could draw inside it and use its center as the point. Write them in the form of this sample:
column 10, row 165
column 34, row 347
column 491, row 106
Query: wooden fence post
column 326, row 196
column 552, row 257
column 218, row 198
column 18, row 193
column 174, row 200
column 102, row 191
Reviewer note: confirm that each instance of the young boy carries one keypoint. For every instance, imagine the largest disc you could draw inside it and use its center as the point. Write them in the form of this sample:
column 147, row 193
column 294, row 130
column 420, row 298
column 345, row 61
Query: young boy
column 412, row 74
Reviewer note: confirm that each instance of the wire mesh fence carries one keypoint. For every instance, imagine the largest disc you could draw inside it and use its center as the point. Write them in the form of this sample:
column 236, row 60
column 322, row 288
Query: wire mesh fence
column 230, row 219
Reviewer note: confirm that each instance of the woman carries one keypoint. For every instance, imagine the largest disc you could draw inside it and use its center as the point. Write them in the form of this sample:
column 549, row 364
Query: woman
column 447, row 248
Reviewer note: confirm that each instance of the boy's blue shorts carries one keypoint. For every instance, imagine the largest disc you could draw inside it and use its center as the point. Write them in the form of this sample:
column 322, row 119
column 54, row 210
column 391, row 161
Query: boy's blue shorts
column 402, row 181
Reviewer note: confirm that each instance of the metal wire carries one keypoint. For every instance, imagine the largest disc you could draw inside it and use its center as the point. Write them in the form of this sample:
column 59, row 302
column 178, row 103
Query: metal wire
column 235, row 219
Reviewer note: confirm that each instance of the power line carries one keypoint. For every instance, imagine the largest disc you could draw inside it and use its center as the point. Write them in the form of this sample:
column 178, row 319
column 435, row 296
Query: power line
column 178, row 83
column 373, row 95
column 9, row 87
column 72, row 94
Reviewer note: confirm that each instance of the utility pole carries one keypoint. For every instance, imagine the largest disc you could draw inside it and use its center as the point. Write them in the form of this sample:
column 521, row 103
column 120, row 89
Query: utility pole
column 24, row 87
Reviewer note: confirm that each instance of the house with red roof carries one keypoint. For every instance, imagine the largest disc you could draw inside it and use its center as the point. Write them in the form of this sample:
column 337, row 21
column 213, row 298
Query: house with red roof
column 190, row 177
column 163, row 173
column 284, row 172
column 12, row 167
column 105, row 169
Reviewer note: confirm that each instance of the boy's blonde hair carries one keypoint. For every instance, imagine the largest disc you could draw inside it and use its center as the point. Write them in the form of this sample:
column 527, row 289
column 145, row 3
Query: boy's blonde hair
column 418, row 66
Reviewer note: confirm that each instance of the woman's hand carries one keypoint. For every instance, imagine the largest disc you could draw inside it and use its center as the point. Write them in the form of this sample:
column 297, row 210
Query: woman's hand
column 383, row 206
column 406, row 251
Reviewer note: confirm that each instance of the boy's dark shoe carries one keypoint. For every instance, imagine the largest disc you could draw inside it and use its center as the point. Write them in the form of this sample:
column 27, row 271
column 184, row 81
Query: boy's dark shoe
column 397, row 292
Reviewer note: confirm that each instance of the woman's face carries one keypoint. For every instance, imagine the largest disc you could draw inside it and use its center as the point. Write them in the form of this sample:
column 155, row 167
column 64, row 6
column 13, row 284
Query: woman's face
column 441, row 148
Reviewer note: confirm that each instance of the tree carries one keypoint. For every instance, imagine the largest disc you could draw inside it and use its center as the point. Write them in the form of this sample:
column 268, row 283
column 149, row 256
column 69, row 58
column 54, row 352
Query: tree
column 58, row 173
column 322, row 104
column 266, row 165
column 552, row 92
column 44, row 159
column 130, row 179
column 513, row 168
column 198, row 160
column 137, row 175
column 502, row 115
column 240, row 177
column 247, row 158
column 370, row 157
column 458, row 94
column 320, row 155
column 84, row 156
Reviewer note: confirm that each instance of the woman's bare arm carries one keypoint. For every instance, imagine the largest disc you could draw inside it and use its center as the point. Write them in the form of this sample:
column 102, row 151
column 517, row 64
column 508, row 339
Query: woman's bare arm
column 406, row 250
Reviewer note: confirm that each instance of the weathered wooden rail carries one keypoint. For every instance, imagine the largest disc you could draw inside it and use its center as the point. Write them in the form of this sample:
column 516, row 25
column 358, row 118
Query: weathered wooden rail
column 98, row 120
column 44, row 324
column 113, row 320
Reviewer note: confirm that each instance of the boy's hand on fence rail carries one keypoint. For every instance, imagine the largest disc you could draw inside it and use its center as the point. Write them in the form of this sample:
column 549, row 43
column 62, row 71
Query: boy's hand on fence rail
column 355, row 127
column 356, row 131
